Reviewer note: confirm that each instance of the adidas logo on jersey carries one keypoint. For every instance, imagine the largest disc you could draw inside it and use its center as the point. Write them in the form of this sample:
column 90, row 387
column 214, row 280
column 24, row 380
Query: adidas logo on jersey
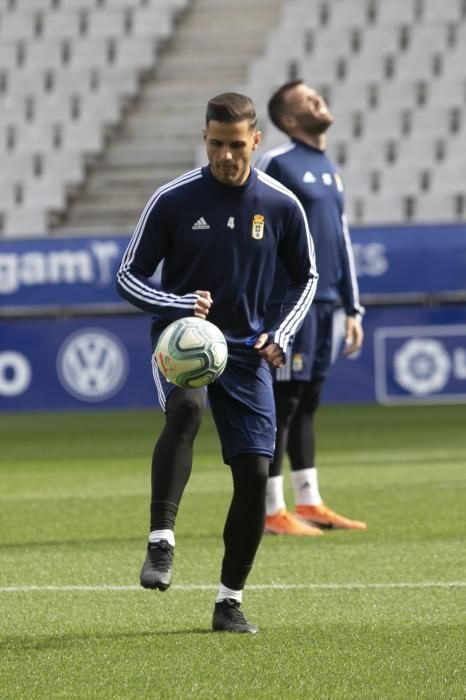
column 200, row 224
column 308, row 177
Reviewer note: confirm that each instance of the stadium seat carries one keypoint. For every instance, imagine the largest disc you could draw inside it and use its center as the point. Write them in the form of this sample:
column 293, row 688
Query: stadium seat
column 19, row 25
column 360, row 179
column 405, row 177
column 380, row 124
column 51, row 53
column 355, row 93
column 452, row 171
column 418, row 63
column 425, row 148
column 82, row 136
column 15, row 167
column 123, row 80
column 152, row 21
column 447, row 90
column 35, row 138
column 34, row 5
column 20, row 222
column 13, row 109
column 107, row 23
column 47, row 191
column 81, row 4
column 404, row 91
column 434, row 11
column 92, row 52
column 381, row 208
column 438, row 119
column 400, row 11
column 345, row 14
column 438, row 207
column 377, row 40
column 137, row 52
column 11, row 194
column 68, row 165
column 430, row 37
column 11, row 51
column 66, row 24
column 329, row 66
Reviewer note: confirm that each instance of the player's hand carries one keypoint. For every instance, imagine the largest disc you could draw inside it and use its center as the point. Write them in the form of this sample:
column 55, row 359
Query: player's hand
column 354, row 335
column 272, row 352
column 203, row 304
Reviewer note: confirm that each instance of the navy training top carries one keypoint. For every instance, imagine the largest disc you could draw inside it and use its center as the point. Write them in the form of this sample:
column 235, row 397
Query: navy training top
column 311, row 175
column 223, row 239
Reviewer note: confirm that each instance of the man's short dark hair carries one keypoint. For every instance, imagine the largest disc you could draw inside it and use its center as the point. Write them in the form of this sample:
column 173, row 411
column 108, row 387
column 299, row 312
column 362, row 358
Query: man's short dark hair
column 231, row 107
column 277, row 103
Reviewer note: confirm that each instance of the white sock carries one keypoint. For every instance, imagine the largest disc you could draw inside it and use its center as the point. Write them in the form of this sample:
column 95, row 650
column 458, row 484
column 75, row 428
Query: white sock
column 225, row 592
column 157, row 535
column 306, row 487
column 274, row 498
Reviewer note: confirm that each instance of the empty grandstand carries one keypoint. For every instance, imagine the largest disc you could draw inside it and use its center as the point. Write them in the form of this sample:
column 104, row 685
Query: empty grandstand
column 101, row 100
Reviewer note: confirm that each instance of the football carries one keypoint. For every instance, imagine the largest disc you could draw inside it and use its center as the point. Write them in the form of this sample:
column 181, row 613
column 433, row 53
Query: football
column 191, row 352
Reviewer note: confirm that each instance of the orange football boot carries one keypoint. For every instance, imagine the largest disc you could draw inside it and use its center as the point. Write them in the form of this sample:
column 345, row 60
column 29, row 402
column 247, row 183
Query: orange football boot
column 321, row 516
column 285, row 523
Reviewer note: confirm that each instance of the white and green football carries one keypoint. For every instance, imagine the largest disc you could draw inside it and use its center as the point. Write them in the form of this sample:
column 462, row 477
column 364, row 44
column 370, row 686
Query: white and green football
column 191, row 352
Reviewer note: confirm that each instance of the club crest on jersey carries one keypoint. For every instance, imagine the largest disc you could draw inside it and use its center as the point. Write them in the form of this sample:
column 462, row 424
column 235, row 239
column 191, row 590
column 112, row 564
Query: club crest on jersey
column 258, row 222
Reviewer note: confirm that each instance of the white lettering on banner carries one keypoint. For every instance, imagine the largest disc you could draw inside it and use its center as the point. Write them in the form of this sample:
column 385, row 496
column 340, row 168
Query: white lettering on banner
column 459, row 363
column 33, row 269
column 69, row 266
column 15, row 373
column 370, row 259
column 8, row 278
column 58, row 267
column 106, row 253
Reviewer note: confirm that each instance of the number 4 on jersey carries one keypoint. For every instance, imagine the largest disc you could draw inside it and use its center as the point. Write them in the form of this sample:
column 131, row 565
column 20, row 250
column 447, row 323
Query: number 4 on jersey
column 231, row 222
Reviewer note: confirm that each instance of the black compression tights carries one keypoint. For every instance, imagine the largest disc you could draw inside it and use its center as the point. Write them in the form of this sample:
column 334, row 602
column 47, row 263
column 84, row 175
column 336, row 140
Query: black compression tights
column 173, row 455
column 296, row 404
column 245, row 520
column 171, row 468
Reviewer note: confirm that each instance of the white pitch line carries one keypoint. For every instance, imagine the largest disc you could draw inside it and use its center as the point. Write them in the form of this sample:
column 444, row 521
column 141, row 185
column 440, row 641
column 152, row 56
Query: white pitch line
column 253, row 587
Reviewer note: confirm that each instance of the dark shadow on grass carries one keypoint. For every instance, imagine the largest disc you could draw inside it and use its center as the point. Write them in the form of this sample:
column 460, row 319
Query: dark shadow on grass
column 100, row 541
column 63, row 641
column 73, row 543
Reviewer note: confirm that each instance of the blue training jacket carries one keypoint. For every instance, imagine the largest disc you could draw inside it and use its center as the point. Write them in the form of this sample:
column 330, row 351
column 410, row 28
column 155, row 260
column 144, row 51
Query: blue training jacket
column 310, row 174
column 225, row 240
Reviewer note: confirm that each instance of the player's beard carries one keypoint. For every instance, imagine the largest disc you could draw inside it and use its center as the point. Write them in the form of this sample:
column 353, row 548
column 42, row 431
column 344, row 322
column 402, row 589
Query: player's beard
column 314, row 126
column 231, row 174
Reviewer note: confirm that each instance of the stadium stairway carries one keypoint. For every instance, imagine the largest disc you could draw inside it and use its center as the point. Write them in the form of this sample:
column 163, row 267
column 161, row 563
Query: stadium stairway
column 210, row 52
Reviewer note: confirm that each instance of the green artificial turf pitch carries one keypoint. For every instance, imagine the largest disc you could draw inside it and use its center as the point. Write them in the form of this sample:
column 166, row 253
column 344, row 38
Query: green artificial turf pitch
column 347, row 615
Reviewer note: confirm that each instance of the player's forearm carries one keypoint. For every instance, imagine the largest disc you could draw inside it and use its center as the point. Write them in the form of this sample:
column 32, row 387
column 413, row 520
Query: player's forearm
column 140, row 292
column 296, row 304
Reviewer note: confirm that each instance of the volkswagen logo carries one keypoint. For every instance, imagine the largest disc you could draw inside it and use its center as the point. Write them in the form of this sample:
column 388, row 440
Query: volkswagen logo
column 422, row 366
column 92, row 364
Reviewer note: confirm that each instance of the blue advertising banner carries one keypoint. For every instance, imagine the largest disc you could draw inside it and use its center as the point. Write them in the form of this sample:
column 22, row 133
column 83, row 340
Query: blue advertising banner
column 60, row 271
column 407, row 262
column 419, row 363
column 410, row 355
column 88, row 362
column 410, row 261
